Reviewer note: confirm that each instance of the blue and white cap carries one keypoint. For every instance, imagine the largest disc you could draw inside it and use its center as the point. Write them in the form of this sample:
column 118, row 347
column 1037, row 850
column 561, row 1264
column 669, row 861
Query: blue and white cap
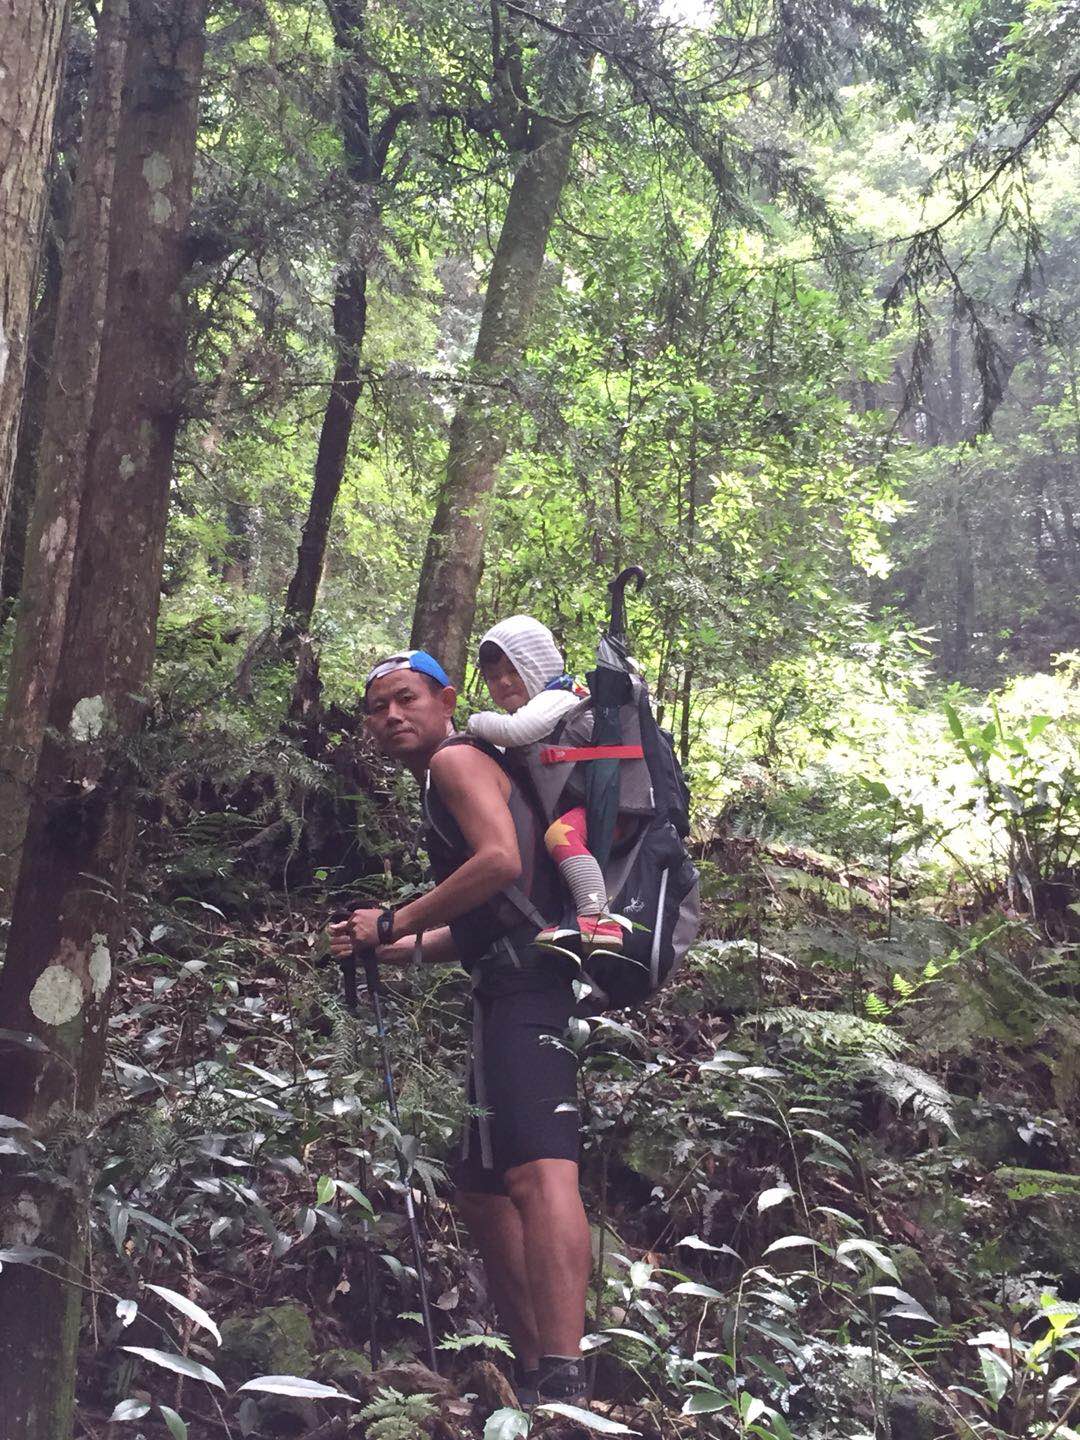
column 418, row 660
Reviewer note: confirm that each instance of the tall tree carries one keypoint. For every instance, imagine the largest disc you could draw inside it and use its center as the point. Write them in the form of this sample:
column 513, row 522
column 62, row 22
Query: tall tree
column 365, row 156
column 67, row 127
column 31, row 43
column 544, row 135
column 367, row 141
column 68, row 919
column 62, row 448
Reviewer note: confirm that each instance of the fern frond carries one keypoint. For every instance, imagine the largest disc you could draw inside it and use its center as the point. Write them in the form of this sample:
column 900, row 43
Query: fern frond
column 394, row 1416
column 907, row 1084
column 835, row 1028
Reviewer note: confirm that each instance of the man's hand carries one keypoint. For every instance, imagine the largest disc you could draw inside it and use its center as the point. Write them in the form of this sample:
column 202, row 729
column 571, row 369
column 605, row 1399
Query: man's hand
column 358, row 931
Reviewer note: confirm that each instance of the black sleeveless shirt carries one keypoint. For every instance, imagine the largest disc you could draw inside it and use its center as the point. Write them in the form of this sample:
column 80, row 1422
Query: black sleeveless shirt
column 535, row 900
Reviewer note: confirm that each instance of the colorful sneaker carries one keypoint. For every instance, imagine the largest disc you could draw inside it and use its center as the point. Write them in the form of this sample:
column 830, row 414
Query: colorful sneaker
column 598, row 933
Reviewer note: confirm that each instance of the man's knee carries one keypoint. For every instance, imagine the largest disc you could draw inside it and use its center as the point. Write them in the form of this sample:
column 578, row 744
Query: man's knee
column 476, row 1206
column 540, row 1181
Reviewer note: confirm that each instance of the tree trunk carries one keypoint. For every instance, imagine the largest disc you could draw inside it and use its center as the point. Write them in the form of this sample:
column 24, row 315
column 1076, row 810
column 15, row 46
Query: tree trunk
column 350, row 313
column 453, row 562
column 348, row 18
column 39, row 350
column 69, row 917
column 62, row 449
column 31, row 47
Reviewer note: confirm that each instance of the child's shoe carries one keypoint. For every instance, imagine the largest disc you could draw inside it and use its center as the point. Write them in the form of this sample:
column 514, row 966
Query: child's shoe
column 600, row 933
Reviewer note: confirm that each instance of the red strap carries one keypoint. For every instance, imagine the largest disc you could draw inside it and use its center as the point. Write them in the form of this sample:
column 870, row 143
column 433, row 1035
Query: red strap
column 563, row 755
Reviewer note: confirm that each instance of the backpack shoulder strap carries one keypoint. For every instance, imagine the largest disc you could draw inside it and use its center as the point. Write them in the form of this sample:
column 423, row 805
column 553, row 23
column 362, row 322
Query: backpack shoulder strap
column 513, row 893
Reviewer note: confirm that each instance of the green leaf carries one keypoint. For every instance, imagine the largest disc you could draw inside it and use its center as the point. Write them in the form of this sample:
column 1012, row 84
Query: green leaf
column 632, row 1335
column 177, row 1426
column 179, row 1364
column 775, row 1196
column 790, row 1242
column 296, row 1385
column 695, row 1242
column 506, row 1424
column 357, row 1195
column 1038, row 724
column 187, row 1307
column 996, row 1374
column 600, row 1423
column 907, row 1308
column 829, row 1140
column 691, row 1287
column 325, row 1190
column 954, row 722
column 875, row 1252
column 706, row 1401
column 130, row 1410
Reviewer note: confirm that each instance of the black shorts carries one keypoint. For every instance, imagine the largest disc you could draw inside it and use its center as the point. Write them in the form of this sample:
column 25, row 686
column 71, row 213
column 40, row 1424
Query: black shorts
column 524, row 1085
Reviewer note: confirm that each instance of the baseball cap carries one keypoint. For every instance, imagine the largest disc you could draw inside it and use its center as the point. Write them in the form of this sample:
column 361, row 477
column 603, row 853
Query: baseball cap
column 418, row 660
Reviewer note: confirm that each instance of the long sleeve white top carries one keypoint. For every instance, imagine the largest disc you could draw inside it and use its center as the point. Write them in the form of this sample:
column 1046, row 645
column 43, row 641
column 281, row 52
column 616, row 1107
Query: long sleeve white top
column 532, row 722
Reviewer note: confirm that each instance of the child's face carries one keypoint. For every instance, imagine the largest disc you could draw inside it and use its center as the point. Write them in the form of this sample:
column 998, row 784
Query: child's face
column 504, row 684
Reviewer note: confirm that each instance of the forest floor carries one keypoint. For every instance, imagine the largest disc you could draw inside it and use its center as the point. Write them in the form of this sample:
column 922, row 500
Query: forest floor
column 833, row 1175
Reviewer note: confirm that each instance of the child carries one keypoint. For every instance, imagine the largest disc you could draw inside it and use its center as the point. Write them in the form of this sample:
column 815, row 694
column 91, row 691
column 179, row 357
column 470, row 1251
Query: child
column 524, row 673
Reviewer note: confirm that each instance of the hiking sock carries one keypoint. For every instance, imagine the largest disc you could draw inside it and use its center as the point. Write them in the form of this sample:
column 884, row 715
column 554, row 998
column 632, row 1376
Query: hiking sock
column 562, row 1378
column 581, row 874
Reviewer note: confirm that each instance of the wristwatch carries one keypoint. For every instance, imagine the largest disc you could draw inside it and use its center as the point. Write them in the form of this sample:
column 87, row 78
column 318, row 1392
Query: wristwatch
column 384, row 926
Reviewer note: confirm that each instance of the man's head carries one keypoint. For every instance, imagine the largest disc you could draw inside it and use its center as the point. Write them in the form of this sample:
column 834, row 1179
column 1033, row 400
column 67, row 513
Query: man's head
column 410, row 706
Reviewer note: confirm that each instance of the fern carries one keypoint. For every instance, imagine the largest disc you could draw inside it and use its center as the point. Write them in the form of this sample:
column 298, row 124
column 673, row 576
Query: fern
column 834, row 1028
column 907, row 1084
column 393, row 1416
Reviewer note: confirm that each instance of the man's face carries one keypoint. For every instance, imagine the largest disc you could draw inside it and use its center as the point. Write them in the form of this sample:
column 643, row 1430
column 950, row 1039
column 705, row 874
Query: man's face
column 408, row 715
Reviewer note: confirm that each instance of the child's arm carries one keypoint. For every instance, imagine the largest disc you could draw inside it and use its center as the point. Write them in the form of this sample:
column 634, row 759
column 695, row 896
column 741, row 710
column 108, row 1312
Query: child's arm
column 532, row 722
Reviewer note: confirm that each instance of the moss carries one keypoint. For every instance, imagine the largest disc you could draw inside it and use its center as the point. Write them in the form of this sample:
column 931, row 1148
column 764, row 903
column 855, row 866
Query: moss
column 276, row 1341
column 344, row 1367
column 1028, row 1184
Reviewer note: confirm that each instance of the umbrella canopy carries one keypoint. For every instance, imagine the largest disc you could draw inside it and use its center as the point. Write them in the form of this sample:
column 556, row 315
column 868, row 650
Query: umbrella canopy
column 611, row 687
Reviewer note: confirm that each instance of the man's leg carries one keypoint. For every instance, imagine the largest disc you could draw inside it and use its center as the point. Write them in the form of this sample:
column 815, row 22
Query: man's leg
column 554, row 1239
column 495, row 1225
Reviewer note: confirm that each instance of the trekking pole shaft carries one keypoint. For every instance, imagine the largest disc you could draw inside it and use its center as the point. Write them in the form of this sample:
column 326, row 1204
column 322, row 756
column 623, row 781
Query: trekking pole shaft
column 371, row 974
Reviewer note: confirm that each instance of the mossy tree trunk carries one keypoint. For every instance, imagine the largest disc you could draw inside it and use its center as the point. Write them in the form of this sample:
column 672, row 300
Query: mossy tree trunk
column 31, row 49
column 453, row 561
column 62, row 447
column 68, row 923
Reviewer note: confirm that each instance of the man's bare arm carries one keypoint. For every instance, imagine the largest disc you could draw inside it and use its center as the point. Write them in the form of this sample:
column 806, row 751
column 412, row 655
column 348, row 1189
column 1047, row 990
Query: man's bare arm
column 476, row 791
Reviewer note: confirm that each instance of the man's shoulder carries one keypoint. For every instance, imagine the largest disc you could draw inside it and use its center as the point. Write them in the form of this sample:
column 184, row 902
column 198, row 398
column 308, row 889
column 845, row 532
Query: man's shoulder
column 461, row 757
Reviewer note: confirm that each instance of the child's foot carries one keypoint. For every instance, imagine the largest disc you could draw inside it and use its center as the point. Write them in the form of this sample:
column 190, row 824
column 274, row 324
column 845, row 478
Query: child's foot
column 598, row 933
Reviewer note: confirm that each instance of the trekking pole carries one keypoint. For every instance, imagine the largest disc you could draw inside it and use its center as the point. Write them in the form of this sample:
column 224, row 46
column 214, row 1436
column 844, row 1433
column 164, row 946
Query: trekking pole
column 352, row 1004
column 371, row 974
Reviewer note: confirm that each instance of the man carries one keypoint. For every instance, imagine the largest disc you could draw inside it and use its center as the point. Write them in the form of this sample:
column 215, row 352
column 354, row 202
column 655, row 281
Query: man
column 518, row 1178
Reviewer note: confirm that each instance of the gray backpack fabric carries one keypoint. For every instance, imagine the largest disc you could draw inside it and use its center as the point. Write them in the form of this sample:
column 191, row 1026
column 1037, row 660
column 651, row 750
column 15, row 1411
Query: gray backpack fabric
column 651, row 881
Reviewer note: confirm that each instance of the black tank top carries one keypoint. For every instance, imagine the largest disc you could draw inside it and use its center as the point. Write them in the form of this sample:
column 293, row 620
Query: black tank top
column 519, row 912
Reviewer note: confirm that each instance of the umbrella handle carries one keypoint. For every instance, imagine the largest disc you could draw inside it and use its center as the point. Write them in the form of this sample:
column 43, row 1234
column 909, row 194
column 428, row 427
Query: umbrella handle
column 617, row 627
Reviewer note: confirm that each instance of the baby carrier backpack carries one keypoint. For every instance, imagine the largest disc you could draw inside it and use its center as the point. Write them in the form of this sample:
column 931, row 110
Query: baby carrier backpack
column 610, row 755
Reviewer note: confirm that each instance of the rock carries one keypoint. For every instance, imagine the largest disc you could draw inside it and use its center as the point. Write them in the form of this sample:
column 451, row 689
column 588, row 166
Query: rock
column 915, row 1277
column 493, row 1390
column 347, row 1368
column 411, row 1378
column 915, row 1415
column 275, row 1341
